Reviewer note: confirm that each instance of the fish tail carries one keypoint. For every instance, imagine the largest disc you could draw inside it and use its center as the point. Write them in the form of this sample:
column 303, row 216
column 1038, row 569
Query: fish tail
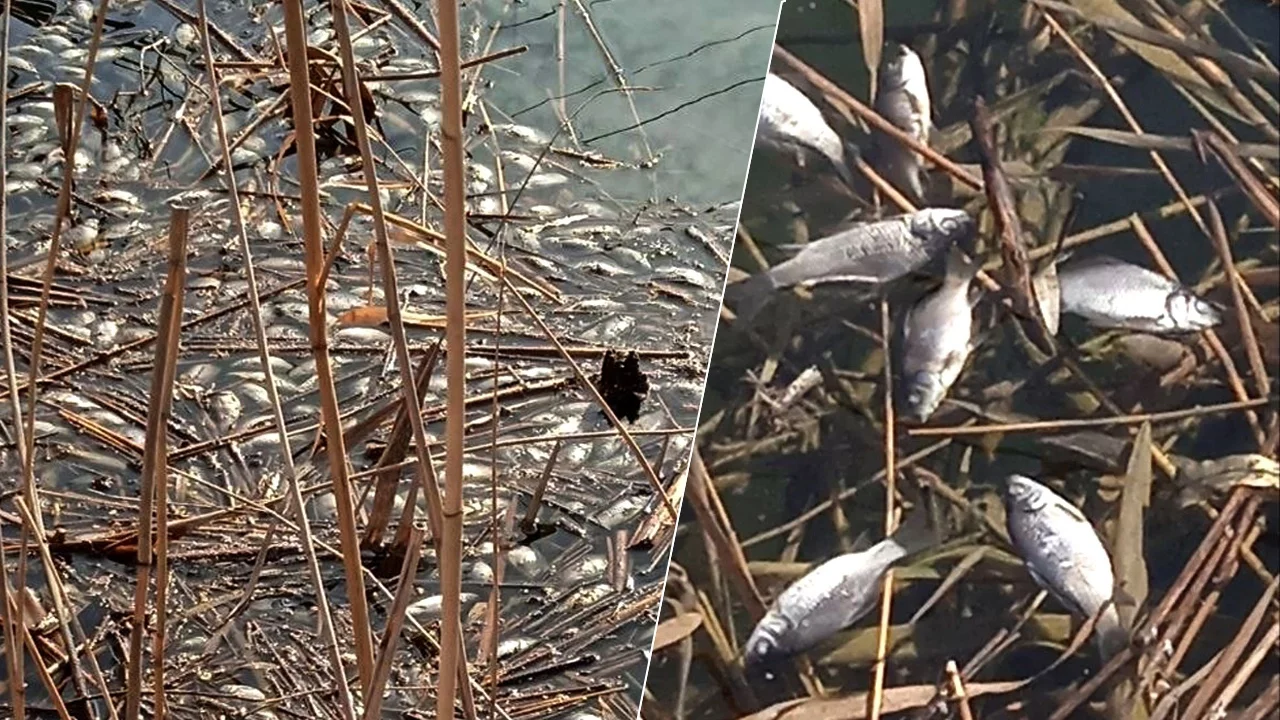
column 750, row 296
column 915, row 533
column 1111, row 637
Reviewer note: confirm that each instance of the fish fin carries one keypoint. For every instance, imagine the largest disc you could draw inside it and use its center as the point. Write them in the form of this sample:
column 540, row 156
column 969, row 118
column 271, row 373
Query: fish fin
column 960, row 268
column 916, row 532
column 1111, row 636
column 750, row 296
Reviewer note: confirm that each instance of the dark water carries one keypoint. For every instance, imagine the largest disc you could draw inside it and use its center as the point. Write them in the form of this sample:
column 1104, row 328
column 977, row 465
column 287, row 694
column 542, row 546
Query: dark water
column 773, row 467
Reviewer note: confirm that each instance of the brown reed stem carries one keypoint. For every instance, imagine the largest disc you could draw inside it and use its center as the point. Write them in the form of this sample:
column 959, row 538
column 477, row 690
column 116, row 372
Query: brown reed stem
column 312, row 224
column 455, row 351
column 875, row 699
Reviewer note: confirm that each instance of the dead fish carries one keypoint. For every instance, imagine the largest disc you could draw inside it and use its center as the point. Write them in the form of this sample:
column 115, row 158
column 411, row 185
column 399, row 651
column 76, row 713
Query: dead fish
column 1064, row 556
column 791, row 125
column 874, row 253
column 903, row 100
column 832, row 596
column 1111, row 293
column 937, row 339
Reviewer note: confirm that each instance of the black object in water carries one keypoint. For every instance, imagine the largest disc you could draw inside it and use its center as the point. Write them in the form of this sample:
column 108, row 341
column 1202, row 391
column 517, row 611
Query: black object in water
column 622, row 384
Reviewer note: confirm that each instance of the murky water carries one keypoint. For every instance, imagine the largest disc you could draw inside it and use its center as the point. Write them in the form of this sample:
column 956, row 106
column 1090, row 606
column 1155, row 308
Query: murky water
column 777, row 471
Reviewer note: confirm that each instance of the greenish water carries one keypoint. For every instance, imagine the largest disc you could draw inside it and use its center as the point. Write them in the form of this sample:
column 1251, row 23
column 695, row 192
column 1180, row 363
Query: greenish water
column 695, row 68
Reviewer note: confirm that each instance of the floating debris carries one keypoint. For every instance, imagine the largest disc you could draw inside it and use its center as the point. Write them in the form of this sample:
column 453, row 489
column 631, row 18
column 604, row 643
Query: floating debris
column 622, row 384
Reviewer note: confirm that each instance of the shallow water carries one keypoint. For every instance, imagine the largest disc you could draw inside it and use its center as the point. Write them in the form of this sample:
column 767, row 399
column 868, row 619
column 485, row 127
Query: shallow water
column 773, row 467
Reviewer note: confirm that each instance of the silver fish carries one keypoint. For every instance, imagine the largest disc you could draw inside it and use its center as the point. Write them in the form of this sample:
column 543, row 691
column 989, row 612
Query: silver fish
column 1064, row 556
column 903, row 99
column 790, row 124
column 832, row 596
column 937, row 339
column 872, row 253
column 1110, row 293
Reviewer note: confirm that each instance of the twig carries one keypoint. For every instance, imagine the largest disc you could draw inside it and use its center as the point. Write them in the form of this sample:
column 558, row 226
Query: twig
column 1069, row 423
column 875, row 699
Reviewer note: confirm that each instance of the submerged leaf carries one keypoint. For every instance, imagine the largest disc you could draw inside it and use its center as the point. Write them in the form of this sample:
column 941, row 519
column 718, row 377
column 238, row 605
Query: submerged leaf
column 895, row 700
column 673, row 630
column 871, row 27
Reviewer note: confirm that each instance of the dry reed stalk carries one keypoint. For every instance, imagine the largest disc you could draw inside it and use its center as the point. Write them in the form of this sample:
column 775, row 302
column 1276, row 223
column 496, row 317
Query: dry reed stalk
column 1236, row 284
column 958, row 695
column 531, row 513
column 875, row 699
column 450, row 554
column 1071, row 423
column 152, row 492
column 409, row 397
column 395, row 622
column 308, row 171
column 170, row 321
column 615, row 70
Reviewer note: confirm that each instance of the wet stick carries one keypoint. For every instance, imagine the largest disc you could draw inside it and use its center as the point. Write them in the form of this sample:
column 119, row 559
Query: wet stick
column 308, row 171
column 875, row 700
column 1261, row 379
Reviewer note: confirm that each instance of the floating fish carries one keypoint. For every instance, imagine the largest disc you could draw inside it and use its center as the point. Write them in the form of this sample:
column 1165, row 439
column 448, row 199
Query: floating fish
column 832, row 596
column 872, row 253
column 1110, row 293
column 937, row 339
column 903, row 100
column 1064, row 556
column 790, row 124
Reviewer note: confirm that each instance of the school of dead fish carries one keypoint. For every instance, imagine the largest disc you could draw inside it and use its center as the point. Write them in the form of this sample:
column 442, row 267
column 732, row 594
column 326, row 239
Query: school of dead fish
column 1057, row 543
